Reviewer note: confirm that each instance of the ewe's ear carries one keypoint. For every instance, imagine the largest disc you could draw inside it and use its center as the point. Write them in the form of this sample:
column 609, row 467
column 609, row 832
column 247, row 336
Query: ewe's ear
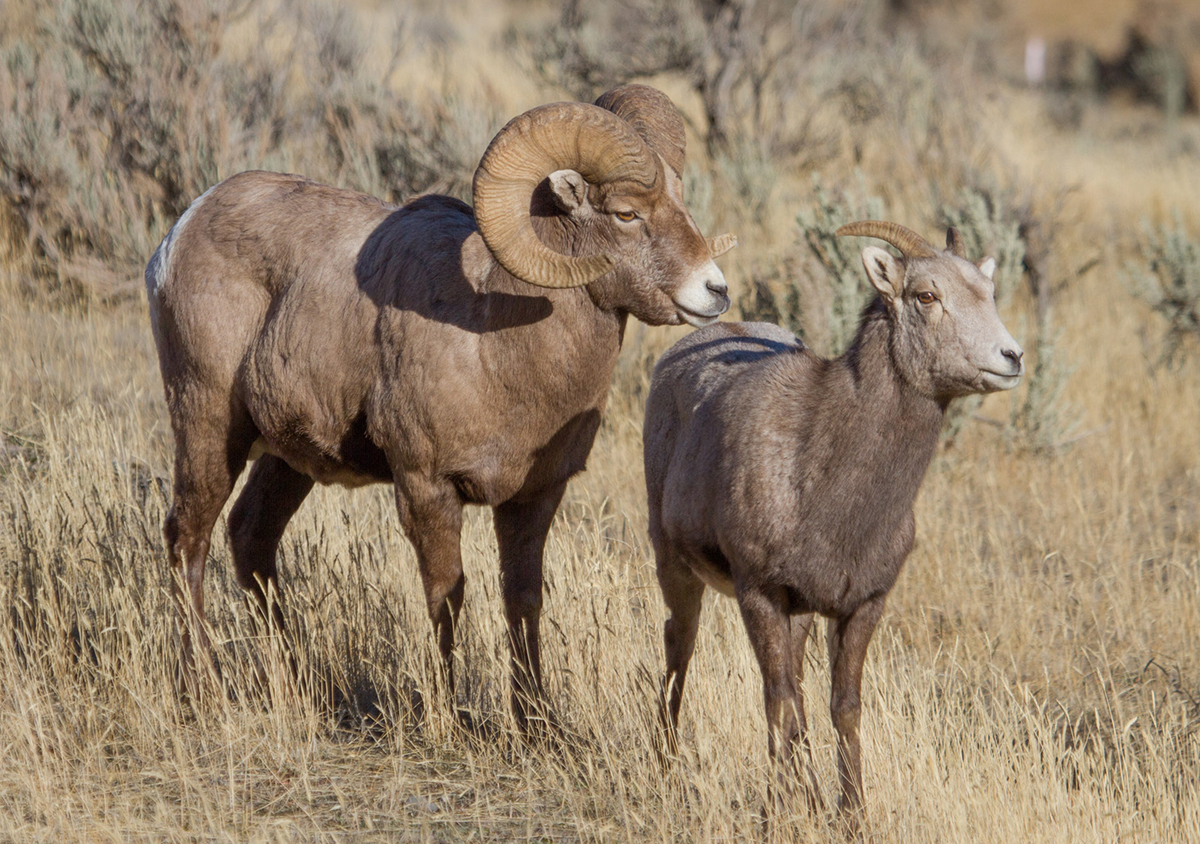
column 570, row 190
column 988, row 267
column 885, row 271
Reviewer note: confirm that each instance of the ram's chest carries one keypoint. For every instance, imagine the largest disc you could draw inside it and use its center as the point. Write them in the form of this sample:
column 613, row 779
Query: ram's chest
column 492, row 454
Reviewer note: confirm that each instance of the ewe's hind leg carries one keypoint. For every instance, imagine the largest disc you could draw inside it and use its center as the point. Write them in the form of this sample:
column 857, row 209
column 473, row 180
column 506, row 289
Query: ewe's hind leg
column 431, row 514
column 273, row 493
column 210, row 452
column 521, row 530
column 682, row 592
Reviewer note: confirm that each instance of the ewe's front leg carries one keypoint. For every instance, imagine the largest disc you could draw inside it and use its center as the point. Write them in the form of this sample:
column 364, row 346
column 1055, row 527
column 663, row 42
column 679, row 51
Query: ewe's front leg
column 801, row 626
column 521, row 530
column 770, row 634
column 431, row 515
column 848, row 640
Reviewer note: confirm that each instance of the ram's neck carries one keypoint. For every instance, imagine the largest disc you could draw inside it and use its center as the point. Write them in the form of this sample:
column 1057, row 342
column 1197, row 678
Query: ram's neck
column 558, row 345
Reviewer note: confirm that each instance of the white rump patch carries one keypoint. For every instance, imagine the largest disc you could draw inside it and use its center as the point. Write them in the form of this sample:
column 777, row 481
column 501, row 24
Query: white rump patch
column 159, row 268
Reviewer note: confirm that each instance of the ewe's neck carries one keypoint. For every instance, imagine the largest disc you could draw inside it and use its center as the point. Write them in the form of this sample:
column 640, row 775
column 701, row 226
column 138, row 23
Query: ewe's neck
column 893, row 408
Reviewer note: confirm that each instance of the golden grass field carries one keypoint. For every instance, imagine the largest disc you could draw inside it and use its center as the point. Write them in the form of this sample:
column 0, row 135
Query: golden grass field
column 1036, row 676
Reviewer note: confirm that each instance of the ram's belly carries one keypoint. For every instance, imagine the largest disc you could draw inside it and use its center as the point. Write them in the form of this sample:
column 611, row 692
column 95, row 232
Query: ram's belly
column 349, row 461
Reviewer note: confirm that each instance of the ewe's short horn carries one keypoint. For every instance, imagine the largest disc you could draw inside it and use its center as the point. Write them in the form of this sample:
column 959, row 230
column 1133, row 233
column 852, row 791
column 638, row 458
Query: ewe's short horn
column 910, row 244
column 596, row 143
column 653, row 116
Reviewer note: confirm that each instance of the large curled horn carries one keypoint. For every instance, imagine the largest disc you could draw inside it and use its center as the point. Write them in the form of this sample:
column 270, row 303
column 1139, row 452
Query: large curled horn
column 653, row 116
column 910, row 244
column 596, row 143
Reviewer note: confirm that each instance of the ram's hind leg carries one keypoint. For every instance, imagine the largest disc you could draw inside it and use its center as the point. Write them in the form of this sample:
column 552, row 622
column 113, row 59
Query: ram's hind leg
column 210, row 452
column 273, row 493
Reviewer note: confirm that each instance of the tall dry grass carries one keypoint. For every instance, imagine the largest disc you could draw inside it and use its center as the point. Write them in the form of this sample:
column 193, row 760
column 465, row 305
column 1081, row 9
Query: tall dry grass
column 1036, row 676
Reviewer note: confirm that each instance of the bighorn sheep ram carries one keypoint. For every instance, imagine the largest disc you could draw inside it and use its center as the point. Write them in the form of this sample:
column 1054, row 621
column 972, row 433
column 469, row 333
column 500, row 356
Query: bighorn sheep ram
column 788, row 481
column 464, row 357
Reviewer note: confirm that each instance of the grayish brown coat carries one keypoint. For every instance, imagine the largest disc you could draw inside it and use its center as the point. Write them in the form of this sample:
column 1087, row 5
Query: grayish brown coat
column 788, row 481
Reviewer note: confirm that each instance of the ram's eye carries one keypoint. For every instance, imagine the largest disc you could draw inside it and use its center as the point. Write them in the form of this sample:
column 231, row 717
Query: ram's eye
column 626, row 216
column 926, row 298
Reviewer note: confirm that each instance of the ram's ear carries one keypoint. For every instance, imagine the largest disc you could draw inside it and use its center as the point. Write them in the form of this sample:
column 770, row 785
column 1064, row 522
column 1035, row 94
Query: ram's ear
column 885, row 270
column 570, row 190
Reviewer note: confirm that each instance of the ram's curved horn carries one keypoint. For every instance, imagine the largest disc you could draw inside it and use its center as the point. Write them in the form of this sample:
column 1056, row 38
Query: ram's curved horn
column 653, row 116
column 593, row 141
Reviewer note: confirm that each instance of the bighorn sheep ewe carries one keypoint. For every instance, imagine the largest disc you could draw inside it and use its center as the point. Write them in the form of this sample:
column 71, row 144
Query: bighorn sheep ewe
column 464, row 357
column 787, row 481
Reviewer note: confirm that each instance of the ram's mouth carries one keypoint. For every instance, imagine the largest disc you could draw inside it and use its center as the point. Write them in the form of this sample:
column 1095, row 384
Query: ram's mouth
column 697, row 319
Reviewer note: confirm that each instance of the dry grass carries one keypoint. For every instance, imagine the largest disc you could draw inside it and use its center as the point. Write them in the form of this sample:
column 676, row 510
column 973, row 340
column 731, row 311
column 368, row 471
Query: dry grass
column 1036, row 676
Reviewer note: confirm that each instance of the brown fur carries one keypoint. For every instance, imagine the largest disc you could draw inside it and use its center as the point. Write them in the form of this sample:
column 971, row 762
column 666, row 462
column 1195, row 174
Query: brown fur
column 356, row 342
column 788, row 481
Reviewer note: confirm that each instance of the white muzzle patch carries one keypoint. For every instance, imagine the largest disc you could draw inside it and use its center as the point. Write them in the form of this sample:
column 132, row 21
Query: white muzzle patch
column 703, row 297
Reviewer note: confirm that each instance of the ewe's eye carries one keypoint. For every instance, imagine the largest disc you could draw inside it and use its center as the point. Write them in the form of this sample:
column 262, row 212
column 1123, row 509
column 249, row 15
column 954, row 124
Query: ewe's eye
column 626, row 216
column 926, row 298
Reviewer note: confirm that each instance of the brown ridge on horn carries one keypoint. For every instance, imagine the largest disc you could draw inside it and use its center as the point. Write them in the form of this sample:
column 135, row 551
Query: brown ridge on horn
column 656, row 119
column 596, row 143
column 955, row 242
column 653, row 116
column 910, row 244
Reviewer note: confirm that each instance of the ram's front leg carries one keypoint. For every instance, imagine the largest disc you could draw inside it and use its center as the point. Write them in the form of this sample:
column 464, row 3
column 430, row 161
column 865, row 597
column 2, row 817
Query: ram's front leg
column 521, row 529
column 431, row 513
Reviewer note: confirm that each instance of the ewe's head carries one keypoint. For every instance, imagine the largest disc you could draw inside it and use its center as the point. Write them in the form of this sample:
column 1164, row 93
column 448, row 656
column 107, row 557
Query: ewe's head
column 947, row 338
column 611, row 172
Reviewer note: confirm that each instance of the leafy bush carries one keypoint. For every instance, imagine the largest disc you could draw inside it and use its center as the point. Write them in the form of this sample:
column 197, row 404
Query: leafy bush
column 753, row 65
column 118, row 113
column 821, row 292
column 1169, row 280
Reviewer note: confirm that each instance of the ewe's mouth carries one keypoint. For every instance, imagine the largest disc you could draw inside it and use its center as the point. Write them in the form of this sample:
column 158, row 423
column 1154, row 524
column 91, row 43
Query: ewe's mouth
column 994, row 382
column 698, row 319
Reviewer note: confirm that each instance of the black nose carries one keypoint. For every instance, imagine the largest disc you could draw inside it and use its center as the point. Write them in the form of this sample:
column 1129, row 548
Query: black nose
column 717, row 287
column 1015, row 356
